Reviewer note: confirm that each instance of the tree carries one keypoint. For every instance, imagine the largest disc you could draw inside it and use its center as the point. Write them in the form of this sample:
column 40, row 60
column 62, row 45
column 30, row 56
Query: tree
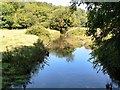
column 61, row 20
column 20, row 15
column 104, row 16
column 6, row 12
column 79, row 18
column 104, row 27
column 103, row 23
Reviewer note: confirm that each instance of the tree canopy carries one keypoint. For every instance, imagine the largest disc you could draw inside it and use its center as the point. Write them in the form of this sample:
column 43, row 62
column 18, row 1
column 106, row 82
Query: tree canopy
column 103, row 23
column 104, row 27
column 16, row 15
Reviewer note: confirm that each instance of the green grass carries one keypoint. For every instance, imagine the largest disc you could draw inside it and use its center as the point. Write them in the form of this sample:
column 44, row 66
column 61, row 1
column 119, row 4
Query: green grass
column 76, row 36
column 54, row 34
column 15, row 38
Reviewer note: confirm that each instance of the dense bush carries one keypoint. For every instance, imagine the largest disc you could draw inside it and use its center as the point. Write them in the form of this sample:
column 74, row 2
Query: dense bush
column 45, row 24
column 38, row 30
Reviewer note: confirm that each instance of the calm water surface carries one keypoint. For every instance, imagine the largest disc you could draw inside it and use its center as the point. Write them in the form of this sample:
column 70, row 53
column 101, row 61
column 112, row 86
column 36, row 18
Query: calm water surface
column 69, row 72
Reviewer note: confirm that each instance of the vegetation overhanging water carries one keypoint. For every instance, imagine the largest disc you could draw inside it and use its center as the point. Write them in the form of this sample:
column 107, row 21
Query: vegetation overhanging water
column 64, row 67
column 20, row 63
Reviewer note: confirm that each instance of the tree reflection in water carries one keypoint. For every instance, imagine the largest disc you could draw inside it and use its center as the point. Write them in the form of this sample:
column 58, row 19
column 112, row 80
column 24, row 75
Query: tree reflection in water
column 21, row 63
column 107, row 60
column 61, row 48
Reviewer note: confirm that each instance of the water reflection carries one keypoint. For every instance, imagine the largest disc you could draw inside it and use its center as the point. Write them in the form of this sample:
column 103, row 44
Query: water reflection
column 113, row 72
column 107, row 59
column 20, row 64
column 61, row 48
column 60, row 74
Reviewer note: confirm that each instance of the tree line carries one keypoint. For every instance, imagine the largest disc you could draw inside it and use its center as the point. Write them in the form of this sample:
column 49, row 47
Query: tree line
column 20, row 15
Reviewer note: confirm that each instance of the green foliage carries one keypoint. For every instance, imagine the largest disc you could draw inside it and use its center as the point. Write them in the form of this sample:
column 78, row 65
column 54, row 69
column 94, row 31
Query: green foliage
column 18, row 5
column 20, row 64
column 23, row 21
column 104, row 16
column 107, row 56
column 7, row 22
column 77, row 32
column 45, row 24
column 41, row 15
column 61, row 20
column 73, row 6
column 79, row 18
column 38, row 30
column 64, row 18
column 6, row 15
column 103, row 23
column 24, row 15
column 77, row 37
column 7, row 9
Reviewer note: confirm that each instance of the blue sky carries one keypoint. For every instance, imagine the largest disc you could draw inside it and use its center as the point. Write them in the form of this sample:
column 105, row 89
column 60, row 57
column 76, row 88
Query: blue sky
column 60, row 2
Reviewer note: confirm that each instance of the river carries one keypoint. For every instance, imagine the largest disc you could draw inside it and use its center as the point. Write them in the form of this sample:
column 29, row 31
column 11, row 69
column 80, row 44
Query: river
column 74, row 71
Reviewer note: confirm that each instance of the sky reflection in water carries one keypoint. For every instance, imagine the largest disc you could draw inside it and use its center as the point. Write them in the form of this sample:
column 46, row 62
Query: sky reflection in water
column 77, row 73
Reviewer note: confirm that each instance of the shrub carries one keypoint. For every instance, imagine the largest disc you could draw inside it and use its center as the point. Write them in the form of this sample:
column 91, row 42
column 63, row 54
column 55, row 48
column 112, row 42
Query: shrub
column 76, row 32
column 45, row 24
column 38, row 30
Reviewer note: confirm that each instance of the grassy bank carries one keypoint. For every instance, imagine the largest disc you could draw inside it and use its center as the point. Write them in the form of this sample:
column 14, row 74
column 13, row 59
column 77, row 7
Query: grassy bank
column 77, row 37
column 15, row 38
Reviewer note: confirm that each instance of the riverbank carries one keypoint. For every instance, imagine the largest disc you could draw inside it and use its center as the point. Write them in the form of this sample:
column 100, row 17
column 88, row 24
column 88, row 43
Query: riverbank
column 77, row 37
column 15, row 38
